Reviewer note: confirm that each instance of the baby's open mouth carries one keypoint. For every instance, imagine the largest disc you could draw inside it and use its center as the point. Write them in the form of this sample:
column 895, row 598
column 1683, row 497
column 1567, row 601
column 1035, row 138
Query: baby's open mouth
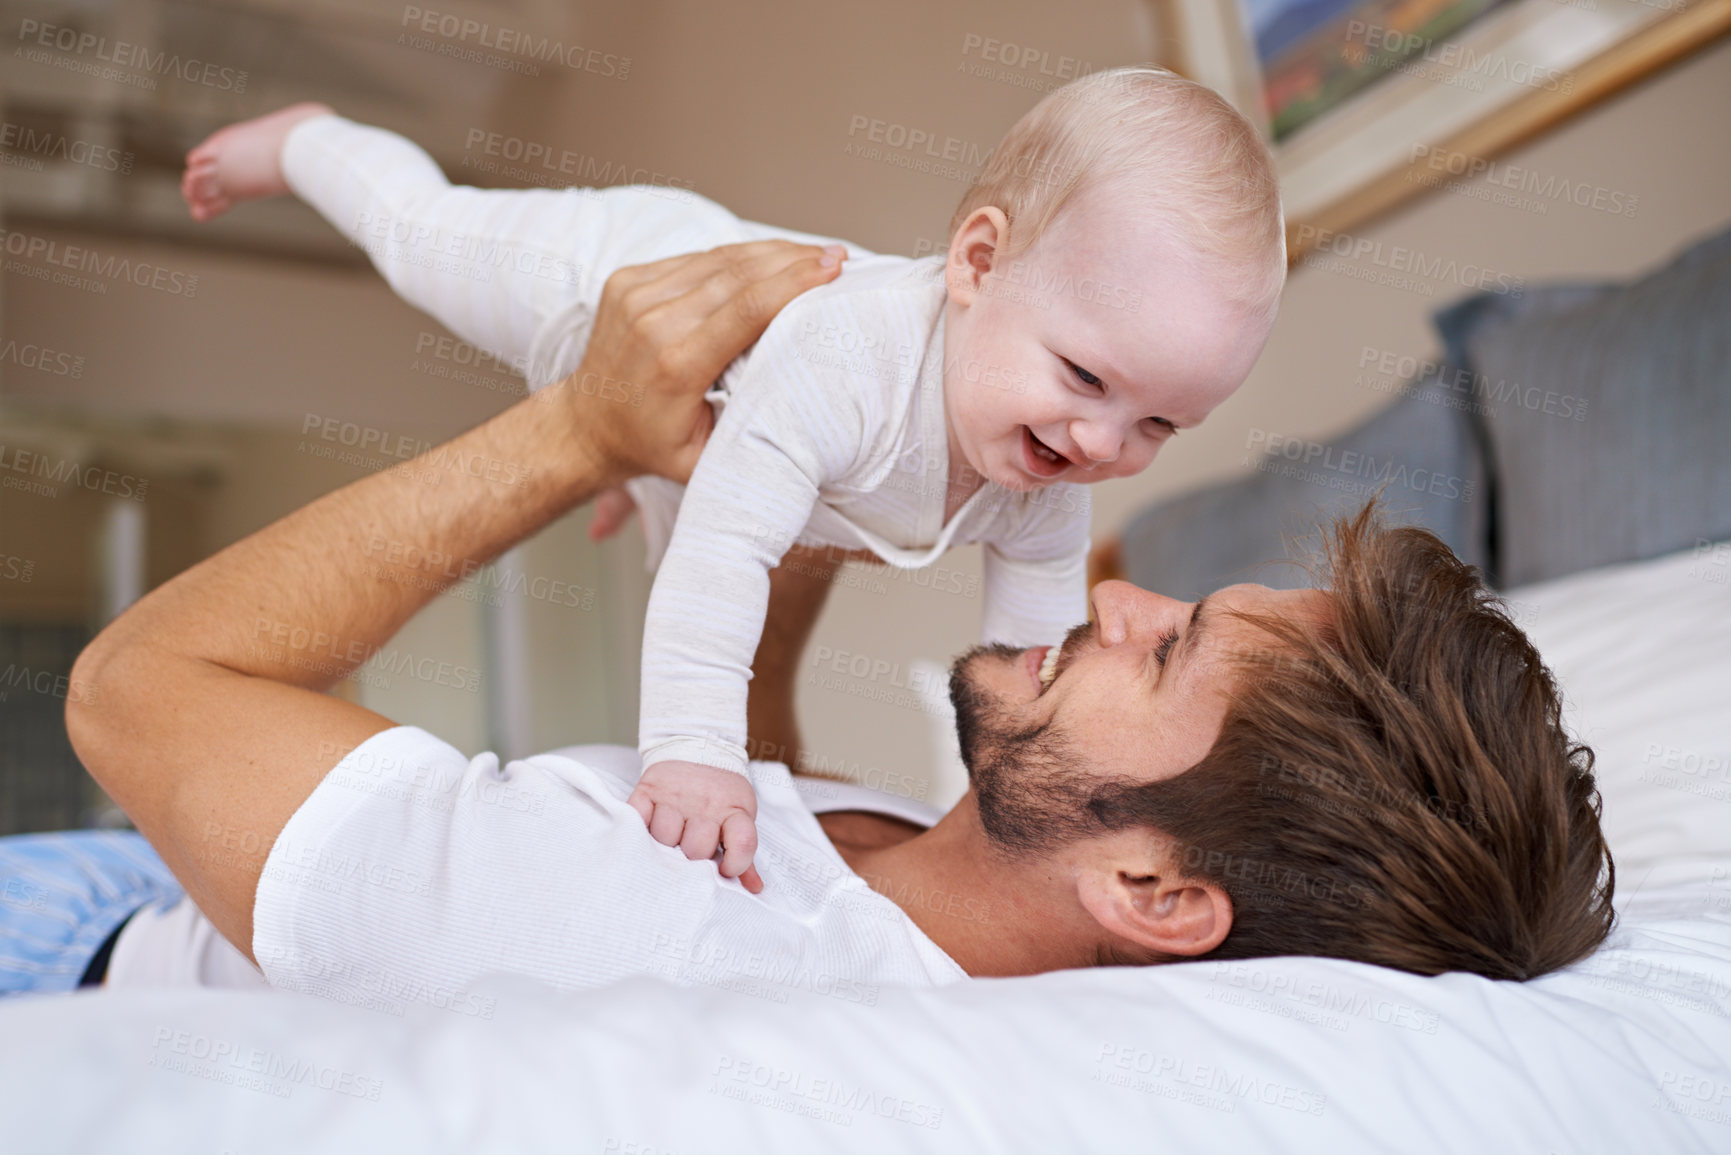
column 1041, row 459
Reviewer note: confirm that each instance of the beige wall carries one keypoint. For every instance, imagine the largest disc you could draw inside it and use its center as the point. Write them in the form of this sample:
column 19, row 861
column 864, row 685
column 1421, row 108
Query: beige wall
column 753, row 108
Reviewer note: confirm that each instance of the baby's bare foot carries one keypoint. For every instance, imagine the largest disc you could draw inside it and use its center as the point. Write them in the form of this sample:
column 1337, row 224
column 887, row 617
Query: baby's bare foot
column 241, row 162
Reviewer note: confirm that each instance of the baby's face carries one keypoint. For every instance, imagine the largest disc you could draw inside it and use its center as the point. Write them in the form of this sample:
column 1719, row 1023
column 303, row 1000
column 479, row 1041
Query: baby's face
column 1077, row 360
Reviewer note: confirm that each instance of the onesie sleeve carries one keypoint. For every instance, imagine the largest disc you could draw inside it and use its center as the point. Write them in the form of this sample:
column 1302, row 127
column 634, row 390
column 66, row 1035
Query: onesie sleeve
column 794, row 428
column 1036, row 575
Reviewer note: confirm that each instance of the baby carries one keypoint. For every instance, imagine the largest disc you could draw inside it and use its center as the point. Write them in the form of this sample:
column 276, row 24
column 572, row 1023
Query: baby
column 1110, row 279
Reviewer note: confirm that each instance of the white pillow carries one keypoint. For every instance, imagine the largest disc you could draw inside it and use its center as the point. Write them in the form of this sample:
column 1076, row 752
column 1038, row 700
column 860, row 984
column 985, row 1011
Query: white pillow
column 1643, row 652
column 1624, row 1053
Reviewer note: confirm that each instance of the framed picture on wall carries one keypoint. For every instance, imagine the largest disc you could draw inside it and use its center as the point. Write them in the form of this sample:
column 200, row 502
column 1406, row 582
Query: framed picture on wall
column 1369, row 102
column 1312, row 55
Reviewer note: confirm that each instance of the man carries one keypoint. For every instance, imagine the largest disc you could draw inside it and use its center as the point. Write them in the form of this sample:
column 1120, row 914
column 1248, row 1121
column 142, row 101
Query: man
column 1377, row 772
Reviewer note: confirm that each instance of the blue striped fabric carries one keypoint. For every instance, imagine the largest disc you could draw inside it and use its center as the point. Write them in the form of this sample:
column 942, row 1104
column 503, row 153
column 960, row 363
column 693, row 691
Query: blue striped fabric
column 62, row 894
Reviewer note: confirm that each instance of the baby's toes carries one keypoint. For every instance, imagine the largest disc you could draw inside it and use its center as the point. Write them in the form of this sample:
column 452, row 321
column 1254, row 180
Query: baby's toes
column 206, row 152
column 193, row 177
column 203, row 191
column 211, row 208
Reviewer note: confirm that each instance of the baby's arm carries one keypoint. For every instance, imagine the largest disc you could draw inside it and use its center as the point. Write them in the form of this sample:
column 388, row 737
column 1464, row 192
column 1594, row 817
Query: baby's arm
column 673, row 790
column 1036, row 582
column 745, row 504
column 777, row 443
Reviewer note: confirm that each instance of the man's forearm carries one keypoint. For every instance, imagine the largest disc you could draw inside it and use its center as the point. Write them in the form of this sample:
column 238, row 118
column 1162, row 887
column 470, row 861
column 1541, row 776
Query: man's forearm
column 798, row 589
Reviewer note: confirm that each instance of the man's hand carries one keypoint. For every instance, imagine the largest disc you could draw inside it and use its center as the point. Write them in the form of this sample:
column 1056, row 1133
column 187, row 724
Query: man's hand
column 698, row 808
column 663, row 334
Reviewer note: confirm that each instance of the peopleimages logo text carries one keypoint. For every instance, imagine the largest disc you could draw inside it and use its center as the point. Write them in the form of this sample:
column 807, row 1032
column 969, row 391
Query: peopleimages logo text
column 134, row 56
column 1400, row 259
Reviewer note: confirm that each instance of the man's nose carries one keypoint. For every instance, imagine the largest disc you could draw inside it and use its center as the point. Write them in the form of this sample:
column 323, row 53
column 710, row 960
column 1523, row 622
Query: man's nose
column 1123, row 610
column 1099, row 441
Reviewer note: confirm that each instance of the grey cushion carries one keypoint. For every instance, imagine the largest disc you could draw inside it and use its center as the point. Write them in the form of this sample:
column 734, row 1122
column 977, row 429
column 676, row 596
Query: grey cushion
column 1422, row 453
column 1608, row 408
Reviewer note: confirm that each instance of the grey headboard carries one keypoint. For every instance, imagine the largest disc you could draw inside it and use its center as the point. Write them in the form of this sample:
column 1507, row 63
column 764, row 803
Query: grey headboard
column 1575, row 425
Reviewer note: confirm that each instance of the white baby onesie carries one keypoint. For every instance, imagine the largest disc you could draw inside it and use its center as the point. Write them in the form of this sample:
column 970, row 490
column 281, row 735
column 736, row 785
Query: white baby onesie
column 831, row 431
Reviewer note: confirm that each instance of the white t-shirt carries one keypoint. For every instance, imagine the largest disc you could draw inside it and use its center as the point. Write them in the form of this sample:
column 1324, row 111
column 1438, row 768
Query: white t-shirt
column 412, row 870
column 174, row 945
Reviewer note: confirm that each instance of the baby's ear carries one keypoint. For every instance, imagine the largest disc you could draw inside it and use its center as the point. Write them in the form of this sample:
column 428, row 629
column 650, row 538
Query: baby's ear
column 974, row 252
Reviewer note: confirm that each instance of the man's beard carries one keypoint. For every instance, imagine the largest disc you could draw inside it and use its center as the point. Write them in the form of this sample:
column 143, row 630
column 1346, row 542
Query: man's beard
column 1032, row 798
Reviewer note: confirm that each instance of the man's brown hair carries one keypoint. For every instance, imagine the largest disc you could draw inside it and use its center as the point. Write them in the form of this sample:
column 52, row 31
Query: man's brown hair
column 1393, row 784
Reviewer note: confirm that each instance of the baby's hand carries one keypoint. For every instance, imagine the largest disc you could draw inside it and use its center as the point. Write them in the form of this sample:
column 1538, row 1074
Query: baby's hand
column 696, row 807
column 612, row 510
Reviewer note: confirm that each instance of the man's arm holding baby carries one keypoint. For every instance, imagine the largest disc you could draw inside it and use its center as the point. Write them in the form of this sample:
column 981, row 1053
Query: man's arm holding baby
column 798, row 590
column 204, row 714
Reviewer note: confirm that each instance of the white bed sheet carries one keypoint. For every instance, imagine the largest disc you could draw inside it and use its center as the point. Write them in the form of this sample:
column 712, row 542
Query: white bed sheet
column 1625, row 1053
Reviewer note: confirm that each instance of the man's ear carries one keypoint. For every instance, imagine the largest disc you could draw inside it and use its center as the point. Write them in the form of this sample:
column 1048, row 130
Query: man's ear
column 1160, row 911
column 974, row 252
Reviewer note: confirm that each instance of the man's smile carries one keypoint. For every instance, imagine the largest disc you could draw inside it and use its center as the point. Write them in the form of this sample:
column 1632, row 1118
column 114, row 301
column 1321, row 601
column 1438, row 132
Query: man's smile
column 1035, row 662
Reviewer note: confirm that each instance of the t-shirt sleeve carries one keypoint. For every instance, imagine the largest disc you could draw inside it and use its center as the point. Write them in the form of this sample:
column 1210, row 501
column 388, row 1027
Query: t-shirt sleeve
column 1036, row 574
column 795, row 430
column 388, row 887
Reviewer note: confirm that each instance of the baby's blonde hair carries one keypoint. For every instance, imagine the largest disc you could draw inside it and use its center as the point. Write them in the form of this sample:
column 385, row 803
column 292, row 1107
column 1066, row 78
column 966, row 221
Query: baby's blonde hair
column 1168, row 139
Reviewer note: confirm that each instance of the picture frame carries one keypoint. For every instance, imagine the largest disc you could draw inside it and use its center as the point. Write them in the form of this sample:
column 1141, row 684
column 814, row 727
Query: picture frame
column 1447, row 106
